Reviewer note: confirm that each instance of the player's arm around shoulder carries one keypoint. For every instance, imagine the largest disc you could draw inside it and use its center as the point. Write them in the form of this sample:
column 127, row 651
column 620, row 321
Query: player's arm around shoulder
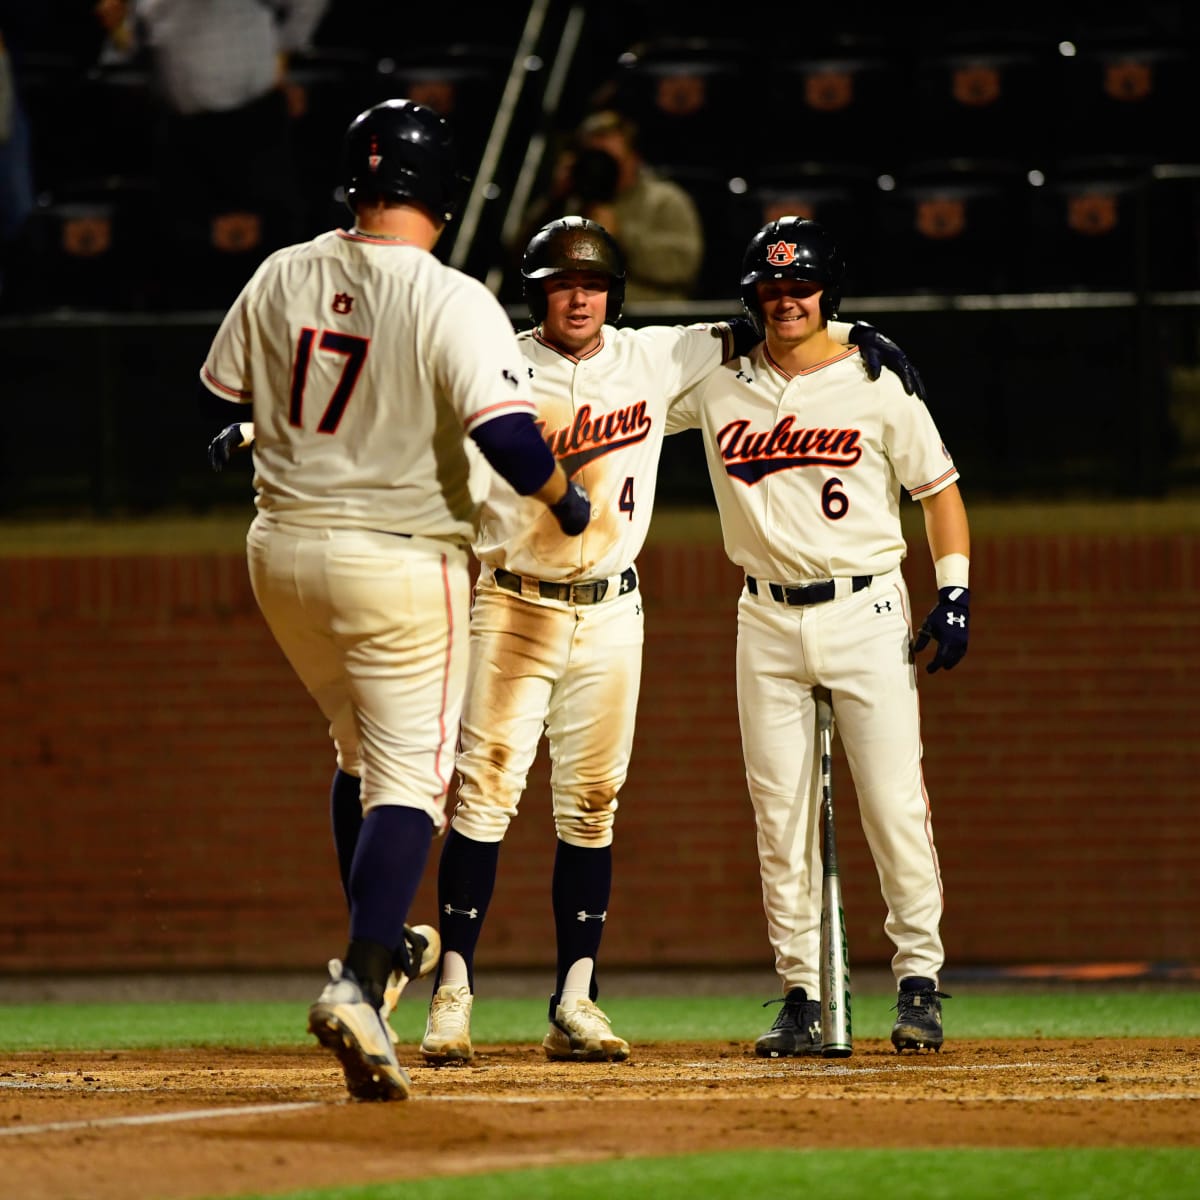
column 687, row 409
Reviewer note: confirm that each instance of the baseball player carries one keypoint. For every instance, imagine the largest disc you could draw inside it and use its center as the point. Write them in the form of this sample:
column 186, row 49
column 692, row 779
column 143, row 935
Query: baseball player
column 373, row 416
column 557, row 626
column 807, row 461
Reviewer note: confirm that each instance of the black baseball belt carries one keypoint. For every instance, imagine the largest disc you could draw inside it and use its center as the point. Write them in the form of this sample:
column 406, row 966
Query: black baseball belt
column 806, row 593
column 590, row 591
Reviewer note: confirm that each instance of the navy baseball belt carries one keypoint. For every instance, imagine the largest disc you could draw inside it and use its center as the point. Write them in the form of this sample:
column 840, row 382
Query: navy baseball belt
column 591, row 592
column 807, row 593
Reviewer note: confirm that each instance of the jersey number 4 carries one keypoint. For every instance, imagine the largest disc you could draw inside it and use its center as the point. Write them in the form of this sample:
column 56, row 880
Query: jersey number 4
column 625, row 503
column 354, row 350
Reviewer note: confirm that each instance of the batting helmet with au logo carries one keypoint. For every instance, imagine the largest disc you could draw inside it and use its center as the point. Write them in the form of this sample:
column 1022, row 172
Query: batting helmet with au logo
column 792, row 248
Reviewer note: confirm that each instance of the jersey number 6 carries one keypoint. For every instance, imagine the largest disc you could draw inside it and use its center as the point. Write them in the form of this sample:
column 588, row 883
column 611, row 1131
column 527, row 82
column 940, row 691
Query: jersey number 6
column 355, row 350
column 834, row 503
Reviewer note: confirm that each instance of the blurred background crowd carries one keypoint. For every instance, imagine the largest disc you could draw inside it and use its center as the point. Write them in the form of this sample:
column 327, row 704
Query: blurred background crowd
column 153, row 151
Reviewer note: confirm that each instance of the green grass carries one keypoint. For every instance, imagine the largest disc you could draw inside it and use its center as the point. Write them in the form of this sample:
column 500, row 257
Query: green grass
column 831, row 1175
column 1023, row 1012
column 1111, row 1012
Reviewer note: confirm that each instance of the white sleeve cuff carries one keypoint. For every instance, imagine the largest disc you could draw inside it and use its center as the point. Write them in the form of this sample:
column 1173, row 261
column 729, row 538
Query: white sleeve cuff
column 839, row 331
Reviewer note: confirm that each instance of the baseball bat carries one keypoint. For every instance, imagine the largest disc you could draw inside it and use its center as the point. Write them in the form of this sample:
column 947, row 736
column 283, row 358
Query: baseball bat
column 837, row 1039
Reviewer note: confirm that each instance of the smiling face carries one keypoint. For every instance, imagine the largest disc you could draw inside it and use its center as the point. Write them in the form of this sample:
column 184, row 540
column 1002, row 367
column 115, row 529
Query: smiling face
column 576, row 302
column 791, row 311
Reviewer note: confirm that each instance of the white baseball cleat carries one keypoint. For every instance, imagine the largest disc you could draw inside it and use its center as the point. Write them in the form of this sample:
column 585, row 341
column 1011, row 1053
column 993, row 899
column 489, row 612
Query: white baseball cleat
column 448, row 1028
column 342, row 1021
column 581, row 1032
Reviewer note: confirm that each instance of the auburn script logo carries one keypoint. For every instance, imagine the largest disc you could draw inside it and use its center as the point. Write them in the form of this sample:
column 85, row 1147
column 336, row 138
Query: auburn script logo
column 588, row 438
column 753, row 455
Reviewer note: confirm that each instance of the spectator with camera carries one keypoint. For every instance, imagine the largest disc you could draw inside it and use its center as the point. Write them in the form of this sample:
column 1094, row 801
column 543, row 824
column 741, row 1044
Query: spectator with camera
column 601, row 175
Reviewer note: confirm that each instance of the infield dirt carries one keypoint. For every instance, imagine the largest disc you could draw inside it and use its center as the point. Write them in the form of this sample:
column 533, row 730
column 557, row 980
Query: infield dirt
column 176, row 1125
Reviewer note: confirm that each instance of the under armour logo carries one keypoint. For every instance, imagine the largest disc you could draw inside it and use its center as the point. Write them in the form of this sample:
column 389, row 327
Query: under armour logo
column 743, row 375
column 583, row 915
column 626, row 584
column 883, row 606
column 530, row 370
column 508, row 377
column 955, row 619
column 449, row 910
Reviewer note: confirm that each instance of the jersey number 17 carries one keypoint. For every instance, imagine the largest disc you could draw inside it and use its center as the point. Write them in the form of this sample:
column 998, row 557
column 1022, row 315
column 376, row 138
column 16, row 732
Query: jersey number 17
column 355, row 351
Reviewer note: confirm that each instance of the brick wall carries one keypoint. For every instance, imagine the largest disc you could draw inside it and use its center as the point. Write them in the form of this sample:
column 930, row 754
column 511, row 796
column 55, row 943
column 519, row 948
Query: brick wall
column 165, row 777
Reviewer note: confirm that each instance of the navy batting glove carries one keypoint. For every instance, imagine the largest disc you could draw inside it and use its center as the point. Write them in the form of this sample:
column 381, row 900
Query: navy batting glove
column 407, row 956
column 947, row 624
column 573, row 511
column 879, row 351
column 222, row 447
column 745, row 335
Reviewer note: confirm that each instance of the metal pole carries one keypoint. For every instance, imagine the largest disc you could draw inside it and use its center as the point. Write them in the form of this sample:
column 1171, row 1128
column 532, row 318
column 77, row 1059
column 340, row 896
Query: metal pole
column 496, row 139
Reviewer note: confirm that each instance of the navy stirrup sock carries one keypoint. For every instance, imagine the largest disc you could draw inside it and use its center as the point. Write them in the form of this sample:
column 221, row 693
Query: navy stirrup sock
column 581, row 887
column 345, row 811
column 392, row 848
column 466, row 880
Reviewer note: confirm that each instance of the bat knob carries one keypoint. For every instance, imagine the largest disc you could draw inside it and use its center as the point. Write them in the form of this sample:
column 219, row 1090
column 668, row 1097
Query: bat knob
column 824, row 703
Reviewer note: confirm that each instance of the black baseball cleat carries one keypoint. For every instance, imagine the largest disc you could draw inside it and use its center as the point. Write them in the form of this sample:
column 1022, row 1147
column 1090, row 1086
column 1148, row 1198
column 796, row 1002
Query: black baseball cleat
column 918, row 1015
column 797, row 1028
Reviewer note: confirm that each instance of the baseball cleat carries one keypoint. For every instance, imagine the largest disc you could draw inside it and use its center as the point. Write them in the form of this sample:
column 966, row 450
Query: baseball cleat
column 797, row 1028
column 342, row 1021
column 447, row 1037
column 580, row 1032
column 423, row 941
column 919, row 1015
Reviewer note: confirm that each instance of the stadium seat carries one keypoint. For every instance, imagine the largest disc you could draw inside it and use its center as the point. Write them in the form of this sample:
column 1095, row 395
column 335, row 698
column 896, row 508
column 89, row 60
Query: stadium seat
column 847, row 108
column 950, row 226
column 682, row 94
column 89, row 246
column 1114, row 223
column 986, row 95
column 1127, row 98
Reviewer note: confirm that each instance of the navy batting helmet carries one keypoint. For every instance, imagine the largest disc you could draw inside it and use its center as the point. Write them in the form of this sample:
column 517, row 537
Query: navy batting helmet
column 793, row 248
column 572, row 244
column 401, row 150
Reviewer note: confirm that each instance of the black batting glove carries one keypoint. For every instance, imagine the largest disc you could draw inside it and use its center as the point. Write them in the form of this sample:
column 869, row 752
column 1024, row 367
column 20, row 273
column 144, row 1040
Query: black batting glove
column 407, row 956
column 879, row 351
column 573, row 511
column 947, row 624
column 745, row 336
column 223, row 446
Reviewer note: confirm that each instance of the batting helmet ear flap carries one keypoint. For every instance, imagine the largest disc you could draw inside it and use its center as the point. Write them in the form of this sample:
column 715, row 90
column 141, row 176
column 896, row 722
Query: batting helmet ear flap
column 792, row 248
column 572, row 244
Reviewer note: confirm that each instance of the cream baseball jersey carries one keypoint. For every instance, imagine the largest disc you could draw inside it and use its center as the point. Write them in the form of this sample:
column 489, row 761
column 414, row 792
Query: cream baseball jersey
column 807, row 469
column 367, row 362
column 603, row 416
